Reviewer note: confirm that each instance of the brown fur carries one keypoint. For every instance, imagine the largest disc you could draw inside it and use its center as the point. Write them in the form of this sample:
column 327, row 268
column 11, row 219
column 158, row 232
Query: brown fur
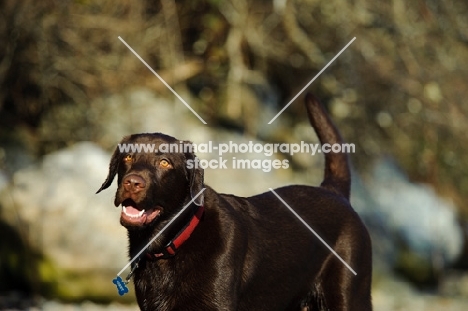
column 247, row 253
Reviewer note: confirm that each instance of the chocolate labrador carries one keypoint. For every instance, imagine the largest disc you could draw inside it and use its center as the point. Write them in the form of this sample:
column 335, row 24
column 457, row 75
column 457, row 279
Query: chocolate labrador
column 226, row 252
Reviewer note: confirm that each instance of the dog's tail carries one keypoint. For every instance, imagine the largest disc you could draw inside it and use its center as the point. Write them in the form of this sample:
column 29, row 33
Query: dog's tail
column 337, row 174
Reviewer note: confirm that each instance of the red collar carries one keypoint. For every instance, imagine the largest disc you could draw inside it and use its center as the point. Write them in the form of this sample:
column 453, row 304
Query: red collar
column 180, row 238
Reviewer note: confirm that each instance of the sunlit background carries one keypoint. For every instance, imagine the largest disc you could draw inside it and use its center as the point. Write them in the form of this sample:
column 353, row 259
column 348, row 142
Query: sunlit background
column 70, row 89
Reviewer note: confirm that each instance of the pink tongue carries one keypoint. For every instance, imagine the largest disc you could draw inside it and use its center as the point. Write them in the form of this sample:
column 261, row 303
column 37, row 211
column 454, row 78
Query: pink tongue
column 131, row 210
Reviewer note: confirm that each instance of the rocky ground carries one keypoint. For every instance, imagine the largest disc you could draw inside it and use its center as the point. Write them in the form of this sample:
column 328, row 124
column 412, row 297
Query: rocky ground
column 393, row 295
column 388, row 295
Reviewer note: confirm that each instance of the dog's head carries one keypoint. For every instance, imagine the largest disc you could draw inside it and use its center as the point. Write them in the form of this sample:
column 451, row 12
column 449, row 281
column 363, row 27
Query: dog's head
column 151, row 181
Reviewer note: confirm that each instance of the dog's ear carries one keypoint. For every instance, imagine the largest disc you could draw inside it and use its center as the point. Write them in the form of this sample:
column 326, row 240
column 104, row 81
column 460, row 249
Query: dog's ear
column 195, row 175
column 113, row 167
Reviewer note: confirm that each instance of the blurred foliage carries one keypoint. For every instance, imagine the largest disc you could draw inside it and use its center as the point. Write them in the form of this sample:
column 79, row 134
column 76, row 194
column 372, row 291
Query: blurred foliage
column 417, row 270
column 21, row 265
column 399, row 89
column 24, row 269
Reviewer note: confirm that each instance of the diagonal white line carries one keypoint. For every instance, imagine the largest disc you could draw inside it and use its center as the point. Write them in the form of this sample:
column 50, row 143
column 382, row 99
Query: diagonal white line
column 160, row 232
column 308, row 84
column 161, row 79
column 312, row 230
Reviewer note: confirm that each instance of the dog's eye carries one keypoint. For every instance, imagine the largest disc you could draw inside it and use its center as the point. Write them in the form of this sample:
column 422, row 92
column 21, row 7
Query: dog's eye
column 164, row 163
column 128, row 158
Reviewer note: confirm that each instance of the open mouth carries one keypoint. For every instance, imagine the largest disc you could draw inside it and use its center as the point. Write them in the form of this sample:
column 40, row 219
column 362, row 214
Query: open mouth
column 134, row 216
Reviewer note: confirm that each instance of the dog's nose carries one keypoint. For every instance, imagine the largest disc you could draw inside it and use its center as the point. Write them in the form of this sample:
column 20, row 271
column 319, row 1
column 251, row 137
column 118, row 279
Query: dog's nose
column 133, row 183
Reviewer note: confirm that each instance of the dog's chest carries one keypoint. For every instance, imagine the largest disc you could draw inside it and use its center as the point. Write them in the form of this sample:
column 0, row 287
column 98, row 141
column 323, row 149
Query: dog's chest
column 163, row 287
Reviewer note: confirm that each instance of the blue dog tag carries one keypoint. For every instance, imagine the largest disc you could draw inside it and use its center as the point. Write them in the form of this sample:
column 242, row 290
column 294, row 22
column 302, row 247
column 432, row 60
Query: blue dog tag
column 121, row 287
